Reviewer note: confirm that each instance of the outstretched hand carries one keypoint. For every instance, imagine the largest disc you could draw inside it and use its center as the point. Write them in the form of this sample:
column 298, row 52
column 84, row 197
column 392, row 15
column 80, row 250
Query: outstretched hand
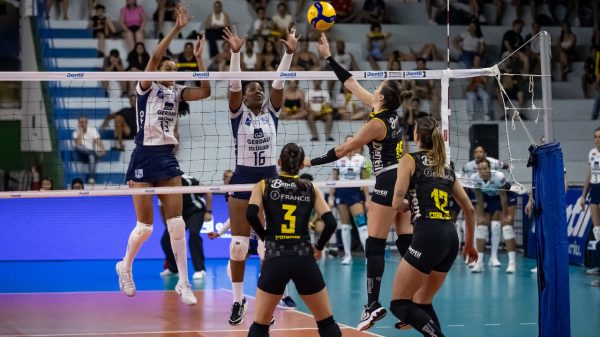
column 291, row 42
column 200, row 43
column 235, row 42
column 470, row 253
column 324, row 46
column 181, row 14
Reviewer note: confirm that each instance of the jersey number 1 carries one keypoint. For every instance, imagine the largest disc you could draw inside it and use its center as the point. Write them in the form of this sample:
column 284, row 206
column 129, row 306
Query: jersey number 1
column 290, row 227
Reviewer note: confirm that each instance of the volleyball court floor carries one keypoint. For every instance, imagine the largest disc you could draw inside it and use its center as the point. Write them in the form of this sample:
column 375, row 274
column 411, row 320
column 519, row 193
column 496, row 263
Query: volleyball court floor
column 81, row 298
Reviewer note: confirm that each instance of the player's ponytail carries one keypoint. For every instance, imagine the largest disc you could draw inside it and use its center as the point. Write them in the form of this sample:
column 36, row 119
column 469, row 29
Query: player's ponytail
column 393, row 95
column 292, row 157
column 432, row 141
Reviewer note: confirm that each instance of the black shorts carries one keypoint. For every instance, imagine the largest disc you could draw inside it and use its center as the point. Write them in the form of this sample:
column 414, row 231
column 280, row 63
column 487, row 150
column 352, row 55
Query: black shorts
column 276, row 272
column 153, row 163
column 250, row 175
column 383, row 192
column 434, row 246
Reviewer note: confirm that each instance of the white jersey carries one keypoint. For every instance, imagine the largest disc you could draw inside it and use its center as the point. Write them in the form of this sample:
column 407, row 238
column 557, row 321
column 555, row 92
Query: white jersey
column 471, row 167
column 350, row 168
column 491, row 187
column 157, row 110
column 255, row 137
column 594, row 161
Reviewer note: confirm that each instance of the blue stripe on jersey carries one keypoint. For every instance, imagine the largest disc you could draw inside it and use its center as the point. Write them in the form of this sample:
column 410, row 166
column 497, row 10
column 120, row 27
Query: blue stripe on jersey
column 141, row 104
column 235, row 127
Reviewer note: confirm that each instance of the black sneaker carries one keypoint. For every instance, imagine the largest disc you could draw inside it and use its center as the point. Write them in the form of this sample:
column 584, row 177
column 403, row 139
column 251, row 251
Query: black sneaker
column 238, row 310
column 288, row 303
column 372, row 313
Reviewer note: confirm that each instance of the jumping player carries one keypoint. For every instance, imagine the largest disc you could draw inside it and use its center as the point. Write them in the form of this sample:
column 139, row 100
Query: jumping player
column 288, row 203
column 153, row 162
column 254, row 125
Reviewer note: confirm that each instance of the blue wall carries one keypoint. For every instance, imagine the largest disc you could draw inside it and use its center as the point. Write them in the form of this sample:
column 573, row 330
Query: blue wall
column 85, row 228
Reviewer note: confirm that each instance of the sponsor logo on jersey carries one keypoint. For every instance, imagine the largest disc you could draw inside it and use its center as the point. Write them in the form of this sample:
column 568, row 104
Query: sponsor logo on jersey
column 264, row 119
column 200, row 74
column 248, row 121
column 277, row 183
column 75, row 75
column 160, row 94
column 414, row 252
column 139, row 173
column 287, row 74
column 382, row 193
column 258, row 133
column 414, row 74
column 375, row 74
column 297, row 198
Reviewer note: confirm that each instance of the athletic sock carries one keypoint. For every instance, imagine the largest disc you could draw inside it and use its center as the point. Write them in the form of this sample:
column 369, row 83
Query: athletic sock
column 512, row 257
column 375, row 267
column 180, row 252
column 258, row 330
column 496, row 236
column 428, row 308
column 363, row 235
column 409, row 313
column 238, row 291
column 140, row 233
column 347, row 239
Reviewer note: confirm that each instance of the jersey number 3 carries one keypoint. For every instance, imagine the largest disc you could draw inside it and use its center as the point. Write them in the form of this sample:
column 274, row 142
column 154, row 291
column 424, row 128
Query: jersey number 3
column 290, row 227
column 441, row 202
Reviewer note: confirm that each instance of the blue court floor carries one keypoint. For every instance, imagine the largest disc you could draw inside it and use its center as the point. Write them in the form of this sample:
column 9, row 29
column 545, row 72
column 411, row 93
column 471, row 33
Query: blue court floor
column 489, row 304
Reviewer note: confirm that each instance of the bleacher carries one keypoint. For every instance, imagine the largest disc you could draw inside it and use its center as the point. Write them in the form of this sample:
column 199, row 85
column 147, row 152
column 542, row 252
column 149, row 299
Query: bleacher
column 72, row 48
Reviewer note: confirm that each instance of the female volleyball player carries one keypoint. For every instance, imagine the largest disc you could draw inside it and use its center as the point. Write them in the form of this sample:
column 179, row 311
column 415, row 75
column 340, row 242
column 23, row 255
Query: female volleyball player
column 254, row 125
column 383, row 135
column 429, row 185
column 592, row 184
column 153, row 162
column 349, row 200
column 288, row 203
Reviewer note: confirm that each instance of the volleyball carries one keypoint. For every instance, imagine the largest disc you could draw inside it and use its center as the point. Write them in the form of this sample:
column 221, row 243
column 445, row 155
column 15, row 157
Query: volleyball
column 321, row 15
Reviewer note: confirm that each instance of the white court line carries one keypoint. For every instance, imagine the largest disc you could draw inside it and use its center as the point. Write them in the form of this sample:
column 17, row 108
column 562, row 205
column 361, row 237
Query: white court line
column 455, row 325
column 532, row 323
column 492, row 324
column 98, row 292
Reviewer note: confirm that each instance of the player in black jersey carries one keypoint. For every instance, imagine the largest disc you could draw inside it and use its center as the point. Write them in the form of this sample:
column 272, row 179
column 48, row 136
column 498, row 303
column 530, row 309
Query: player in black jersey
column 383, row 134
column 288, row 203
column 429, row 185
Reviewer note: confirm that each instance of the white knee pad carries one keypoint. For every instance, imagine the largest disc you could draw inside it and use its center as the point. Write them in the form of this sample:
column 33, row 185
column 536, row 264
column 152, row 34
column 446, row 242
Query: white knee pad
column 176, row 227
column 143, row 230
column 482, row 232
column 238, row 249
column 508, row 233
column 496, row 228
column 260, row 249
column 596, row 231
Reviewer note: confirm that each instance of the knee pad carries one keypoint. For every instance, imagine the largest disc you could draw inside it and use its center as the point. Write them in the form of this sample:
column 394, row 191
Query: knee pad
column 238, row 249
column 375, row 247
column 402, row 308
column 495, row 225
column 360, row 220
column 403, row 242
column 143, row 230
column 260, row 249
column 596, row 231
column 508, row 233
column 329, row 328
column 482, row 232
column 176, row 227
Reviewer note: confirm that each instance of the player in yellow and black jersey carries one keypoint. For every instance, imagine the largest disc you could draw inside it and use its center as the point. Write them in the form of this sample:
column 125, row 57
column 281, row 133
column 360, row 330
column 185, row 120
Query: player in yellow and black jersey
column 289, row 255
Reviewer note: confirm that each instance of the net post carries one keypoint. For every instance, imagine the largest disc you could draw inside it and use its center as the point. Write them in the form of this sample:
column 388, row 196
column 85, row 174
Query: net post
column 546, row 85
column 445, row 111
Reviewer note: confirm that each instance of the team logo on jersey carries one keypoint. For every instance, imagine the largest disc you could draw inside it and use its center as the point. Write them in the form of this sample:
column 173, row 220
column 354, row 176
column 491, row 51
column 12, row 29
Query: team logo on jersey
column 274, row 195
column 258, row 133
column 248, row 121
column 426, row 160
column 160, row 94
column 139, row 173
column 399, row 149
column 393, row 122
column 264, row 119
column 169, row 106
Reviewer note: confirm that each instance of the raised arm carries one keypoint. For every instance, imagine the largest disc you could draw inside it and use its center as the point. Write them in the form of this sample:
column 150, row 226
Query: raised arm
column 159, row 52
column 290, row 44
column 203, row 91
column 235, row 86
column 343, row 75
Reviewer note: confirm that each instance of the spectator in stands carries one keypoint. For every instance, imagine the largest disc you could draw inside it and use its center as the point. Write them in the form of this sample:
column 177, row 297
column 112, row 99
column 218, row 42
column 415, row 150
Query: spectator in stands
column 305, row 59
column 429, row 4
column 345, row 59
column 477, row 88
column 344, row 11
column 376, row 45
column 249, row 57
column 513, row 85
column 591, row 70
column 373, row 12
column 221, row 61
column 125, row 123
column 470, row 44
column 570, row 7
column 101, row 26
column 282, row 21
column 412, row 114
column 512, row 41
column 88, row 146
column 132, row 22
column 318, row 104
column 137, row 59
column 348, row 107
column 256, row 4
column 269, row 58
column 213, row 27
column 426, row 89
column 114, row 63
column 77, row 184
column 47, row 184
column 567, row 45
column 64, row 8
column 165, row 11
column 533, row 49
column 186, row 61
column 262, row 27
column 293, row 102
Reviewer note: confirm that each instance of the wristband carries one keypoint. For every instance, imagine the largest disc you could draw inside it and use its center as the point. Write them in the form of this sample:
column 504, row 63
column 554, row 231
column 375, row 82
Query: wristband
column 341, row 73
column 326, row 158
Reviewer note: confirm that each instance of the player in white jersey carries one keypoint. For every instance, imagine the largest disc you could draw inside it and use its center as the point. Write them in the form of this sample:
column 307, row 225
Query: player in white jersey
column 592, row 184
column 479, row 154
column 495, row 208
column 153, row 162
column 254, row 126
column 349, row 201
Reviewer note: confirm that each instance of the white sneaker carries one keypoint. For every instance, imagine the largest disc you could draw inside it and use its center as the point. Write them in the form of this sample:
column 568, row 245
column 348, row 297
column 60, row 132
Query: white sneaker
column 494, row 262
column 185, row 290
column 125, row 280
column 472, row 264
column 512, row 267
column 592, row 271
column 478, row 268
column 347, row 259
column 168, row 273
column 199, row 275
column 534, row 270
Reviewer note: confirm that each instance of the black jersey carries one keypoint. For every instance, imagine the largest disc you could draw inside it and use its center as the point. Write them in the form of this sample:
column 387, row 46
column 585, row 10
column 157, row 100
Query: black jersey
column 429, row 194
column 386, row 152
column 192, row 202
column 288, row 204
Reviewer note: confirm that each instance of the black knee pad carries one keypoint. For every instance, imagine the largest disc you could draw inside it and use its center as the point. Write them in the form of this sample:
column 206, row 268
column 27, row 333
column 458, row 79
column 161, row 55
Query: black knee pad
column 375, row 247
column 329, row 328
column 403, row 242
column 402, row 308
column 258, row 330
